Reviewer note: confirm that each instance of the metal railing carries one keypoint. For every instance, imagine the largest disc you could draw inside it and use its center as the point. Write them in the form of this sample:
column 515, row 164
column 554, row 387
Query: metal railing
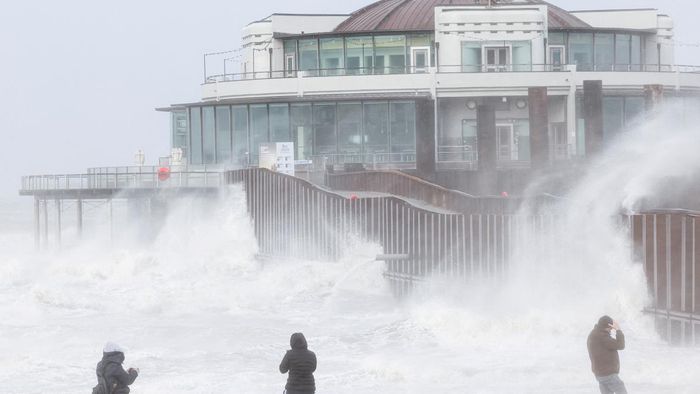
column 451, row 69
column 122, row 180
column 374, row 160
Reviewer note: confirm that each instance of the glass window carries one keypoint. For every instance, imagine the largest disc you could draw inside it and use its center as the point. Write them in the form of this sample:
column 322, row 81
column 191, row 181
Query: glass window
column 613, row 116
column 521, row 136
column 279, row 122
column 196, row 135
column 208, row 135
column 290, row 47
column 604, row 51
column 324, row 129
column 332, row 56
column 308, row 53
column 390, row 54
column 556, row 38
column 581, row 50
column 302, row 130
column 522, row 56
column 240, row 134
column 471, row 57
column 634, row 106
column 178, row 125
column 223, row 134
column 403, row 127
column 622, row 52
column 636, row 53
column 359, row 52
column 290, row 57
column 376, row 138
column 349, row 128
column 258, row 129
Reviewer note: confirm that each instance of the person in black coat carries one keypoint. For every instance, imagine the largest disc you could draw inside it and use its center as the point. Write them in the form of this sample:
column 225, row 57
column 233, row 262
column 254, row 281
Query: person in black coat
column 110, row 369
column 603, row 352
column 300, row 362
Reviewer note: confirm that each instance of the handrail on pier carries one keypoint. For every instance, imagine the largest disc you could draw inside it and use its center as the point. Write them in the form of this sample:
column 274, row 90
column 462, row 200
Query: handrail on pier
column 111, row 181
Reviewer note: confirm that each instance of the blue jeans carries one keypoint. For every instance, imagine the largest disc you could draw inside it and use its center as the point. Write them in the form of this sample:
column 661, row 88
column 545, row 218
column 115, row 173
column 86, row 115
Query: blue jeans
column 611, row 384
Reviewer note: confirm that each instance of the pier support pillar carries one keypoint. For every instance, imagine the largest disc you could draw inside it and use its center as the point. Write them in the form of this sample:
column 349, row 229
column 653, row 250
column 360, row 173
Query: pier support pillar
column 46, row 224
column 58, row 222
column 37, row 223
column 653, row 97
column 539, row 127
column 79, row 217
column 593, row 116
column 486, row 149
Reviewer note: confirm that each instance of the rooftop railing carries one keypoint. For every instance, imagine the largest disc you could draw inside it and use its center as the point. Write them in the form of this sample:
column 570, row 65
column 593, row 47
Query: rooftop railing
column 451, row 69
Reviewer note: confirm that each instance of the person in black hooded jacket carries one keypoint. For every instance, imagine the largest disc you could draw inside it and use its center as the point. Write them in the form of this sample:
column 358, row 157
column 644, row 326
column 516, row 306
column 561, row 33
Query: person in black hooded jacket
column 110, row 368
column 300, row 362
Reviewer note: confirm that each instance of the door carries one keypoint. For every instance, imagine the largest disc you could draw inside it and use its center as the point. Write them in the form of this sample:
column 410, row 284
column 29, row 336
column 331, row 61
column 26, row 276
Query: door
column 557, row 57
column 420, row 59
column 507, row 145
column 497, row 58
column 290, row 65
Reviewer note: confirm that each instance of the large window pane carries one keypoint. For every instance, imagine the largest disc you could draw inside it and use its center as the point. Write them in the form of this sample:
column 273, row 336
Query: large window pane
column 258, row 129
column 279, row 122
column 522, row 56
column 349, row 128
column 636, row 57
column 376, row 116
column 308, row 53
column 178, row 126
column 223, row 134
column 622, row 52
column 208, row 135
column 403, row 127
column 324, row 129
column 556, row 38
column 613, row 116
column 390, row 54
column 196, row 135
column 581, row 50
column 604, row 51
column 240, row 135
column 331, row 56
column 521, row 130
column 471, row 57
column 359, row 52
column 634, row 106
column 302, row 130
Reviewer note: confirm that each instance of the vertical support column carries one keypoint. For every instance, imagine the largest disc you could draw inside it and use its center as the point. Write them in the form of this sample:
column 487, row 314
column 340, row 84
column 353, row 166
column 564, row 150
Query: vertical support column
column 79, row 217
column 487, row 149
column 58, row 222
column 653, row 97
column 37, row 223
column 426, row 135
column 539, row 127
column 593, row 115
column 46, row 224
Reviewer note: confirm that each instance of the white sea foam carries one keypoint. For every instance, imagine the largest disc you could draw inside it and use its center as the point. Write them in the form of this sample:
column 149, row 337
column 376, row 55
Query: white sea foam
column 199, row 314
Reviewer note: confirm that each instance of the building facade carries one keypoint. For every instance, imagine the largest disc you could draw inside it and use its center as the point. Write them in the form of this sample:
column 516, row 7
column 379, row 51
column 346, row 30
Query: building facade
column 401, row 84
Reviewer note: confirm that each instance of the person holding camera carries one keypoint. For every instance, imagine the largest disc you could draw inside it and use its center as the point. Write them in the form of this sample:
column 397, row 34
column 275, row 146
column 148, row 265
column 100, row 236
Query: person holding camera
column 603, row 352
column 111, row 376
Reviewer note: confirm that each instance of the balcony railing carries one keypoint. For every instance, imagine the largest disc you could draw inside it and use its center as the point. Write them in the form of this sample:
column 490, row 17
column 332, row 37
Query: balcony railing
column 450, row 69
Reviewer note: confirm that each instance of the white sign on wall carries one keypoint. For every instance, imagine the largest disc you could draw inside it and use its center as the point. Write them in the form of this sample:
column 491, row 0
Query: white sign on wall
column 277, row 156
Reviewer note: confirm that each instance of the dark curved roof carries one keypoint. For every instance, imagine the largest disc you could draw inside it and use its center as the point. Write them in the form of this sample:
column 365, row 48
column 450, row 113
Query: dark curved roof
column 418, row 15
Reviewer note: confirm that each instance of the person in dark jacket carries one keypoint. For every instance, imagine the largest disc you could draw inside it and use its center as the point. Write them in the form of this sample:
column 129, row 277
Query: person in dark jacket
column 300, row 362
column 110, row 368
column 605, row 361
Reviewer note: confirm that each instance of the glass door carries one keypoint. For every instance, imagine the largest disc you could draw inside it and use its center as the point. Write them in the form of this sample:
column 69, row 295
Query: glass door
column 420, row 59
column 507, row 145
column 557, row 57
column 497, row 59
column 290, row 65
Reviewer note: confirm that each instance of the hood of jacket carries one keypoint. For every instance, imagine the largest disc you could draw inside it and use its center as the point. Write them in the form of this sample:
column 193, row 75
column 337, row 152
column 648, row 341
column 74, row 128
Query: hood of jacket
column 113, row 357
column 297, row 341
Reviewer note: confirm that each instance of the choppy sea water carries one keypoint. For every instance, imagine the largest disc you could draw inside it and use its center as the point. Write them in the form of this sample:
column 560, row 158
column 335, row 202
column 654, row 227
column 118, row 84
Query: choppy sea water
column 199, row 314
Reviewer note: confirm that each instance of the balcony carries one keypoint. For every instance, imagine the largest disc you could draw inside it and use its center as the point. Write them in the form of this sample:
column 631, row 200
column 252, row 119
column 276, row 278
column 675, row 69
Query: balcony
column 444, row 81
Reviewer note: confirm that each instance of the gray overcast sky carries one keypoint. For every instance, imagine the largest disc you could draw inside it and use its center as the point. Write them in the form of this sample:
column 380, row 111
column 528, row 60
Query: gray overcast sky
column 79, row 79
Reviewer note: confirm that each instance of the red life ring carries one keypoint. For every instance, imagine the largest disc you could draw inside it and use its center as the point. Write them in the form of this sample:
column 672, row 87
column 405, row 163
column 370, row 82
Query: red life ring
column 163, row 174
